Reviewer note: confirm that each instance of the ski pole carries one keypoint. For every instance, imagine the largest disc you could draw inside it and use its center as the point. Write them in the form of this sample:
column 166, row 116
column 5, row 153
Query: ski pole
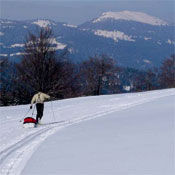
column 24, row 116
column 33, row 110
column 53, row 111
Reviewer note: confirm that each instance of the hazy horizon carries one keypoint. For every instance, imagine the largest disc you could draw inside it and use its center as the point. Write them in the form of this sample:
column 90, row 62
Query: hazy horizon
column 77, row 12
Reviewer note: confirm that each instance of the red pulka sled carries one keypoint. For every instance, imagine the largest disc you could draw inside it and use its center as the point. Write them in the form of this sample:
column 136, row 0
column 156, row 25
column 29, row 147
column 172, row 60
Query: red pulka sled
column 29, row 122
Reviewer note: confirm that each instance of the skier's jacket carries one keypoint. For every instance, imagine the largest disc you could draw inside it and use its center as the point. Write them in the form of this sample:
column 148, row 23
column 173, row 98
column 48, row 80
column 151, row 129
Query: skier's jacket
column 39, row 98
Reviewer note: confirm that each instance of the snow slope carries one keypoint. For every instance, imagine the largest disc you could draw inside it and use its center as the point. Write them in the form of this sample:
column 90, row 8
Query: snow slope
column 43, row 23
column 131, row 16
column 134, row 134
column 115, row 35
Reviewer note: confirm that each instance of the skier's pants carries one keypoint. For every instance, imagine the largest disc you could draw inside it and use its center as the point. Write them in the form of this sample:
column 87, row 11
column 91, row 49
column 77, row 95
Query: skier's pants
column 39, row 108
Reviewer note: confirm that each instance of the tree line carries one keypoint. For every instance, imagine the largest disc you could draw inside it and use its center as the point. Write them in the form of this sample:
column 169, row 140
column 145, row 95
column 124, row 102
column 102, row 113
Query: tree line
column 43, row 69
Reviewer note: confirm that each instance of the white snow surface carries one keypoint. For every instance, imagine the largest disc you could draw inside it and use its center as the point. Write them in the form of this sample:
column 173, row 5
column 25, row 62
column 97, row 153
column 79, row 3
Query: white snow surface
column 18, row 53
column 115, row 35
column 58, row 44
column 147, row 38
column 125, row 134
column 131, row 16
column 170, row 42
column 147, row 61
column 1, row 34
column 70, row 25
column 3, row 55
column 17, row 45
column 42, row 23
column 6, row 22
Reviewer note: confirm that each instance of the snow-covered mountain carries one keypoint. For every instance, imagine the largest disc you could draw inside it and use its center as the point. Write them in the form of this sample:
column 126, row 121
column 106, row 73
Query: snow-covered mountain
column 135, row 39
column 138, row 38
column 131, row 16
column 43, row 23
column 113, row 134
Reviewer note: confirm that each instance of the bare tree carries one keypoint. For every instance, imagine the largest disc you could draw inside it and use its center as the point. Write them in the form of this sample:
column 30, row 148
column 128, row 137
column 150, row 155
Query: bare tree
column 167, row 75
column 139, row 82
column 43, row 69
column 99, row 73
column 68, row 84
column 151, row 82
column 7, row 82
column 38, row 68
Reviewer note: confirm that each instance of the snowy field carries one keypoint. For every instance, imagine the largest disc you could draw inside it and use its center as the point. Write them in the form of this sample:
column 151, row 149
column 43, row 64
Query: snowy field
column 125, row 134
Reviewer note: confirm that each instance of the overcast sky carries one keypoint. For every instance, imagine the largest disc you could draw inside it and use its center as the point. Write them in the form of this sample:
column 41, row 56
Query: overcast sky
column 77, row 12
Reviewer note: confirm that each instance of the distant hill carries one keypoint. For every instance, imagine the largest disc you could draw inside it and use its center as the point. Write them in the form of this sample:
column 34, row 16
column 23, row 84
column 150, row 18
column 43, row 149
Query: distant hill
column 135, row 39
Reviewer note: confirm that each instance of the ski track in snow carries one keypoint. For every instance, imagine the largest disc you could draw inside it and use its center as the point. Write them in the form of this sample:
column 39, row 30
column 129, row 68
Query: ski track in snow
column 15, row 154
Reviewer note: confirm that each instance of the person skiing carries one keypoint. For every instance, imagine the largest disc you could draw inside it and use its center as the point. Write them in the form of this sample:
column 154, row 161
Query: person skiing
column 39, row 99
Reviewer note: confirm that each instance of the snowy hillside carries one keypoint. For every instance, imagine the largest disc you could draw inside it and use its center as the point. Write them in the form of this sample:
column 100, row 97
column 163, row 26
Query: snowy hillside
column 131, row 16
column 115, row 35
column 43, row 23
column 120, row 134
column 129, row 37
